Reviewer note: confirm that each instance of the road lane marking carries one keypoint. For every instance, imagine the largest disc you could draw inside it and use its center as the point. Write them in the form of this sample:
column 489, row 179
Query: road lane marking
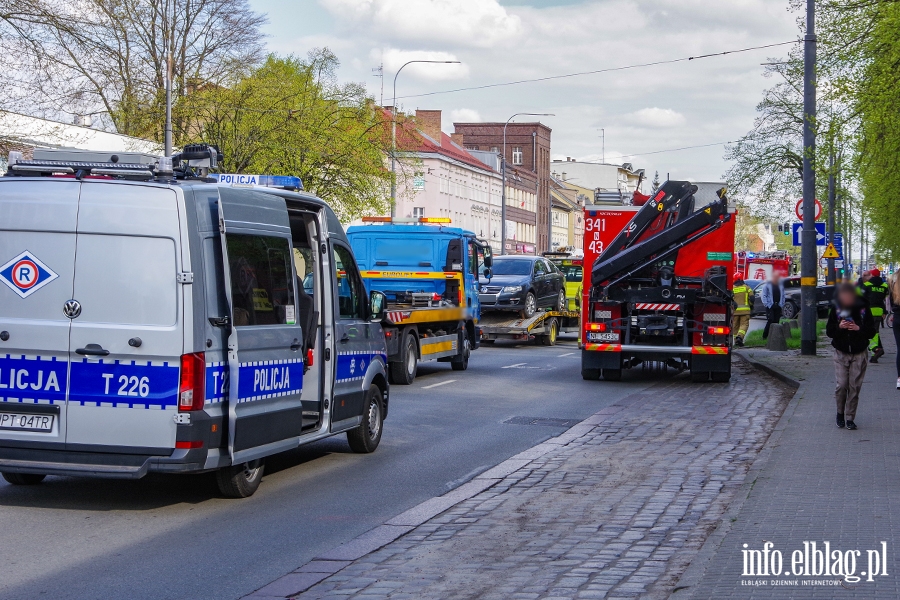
column 513, row 366
column 568, row 354
column 434, row 385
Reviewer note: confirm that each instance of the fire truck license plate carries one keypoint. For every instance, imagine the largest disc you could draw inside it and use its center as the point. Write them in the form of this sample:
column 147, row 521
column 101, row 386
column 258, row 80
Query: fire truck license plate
column 603, row 337
column 21, row 422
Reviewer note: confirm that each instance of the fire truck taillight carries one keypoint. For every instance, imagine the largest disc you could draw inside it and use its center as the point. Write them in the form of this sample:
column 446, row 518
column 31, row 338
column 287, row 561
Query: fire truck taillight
column 597, row 327
column 718, row 330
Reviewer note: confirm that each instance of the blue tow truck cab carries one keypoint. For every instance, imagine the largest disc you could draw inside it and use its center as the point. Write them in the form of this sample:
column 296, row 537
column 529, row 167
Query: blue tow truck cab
column 430, row 277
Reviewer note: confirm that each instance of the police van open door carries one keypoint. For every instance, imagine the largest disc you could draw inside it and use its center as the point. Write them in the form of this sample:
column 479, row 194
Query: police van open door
column 265, row 359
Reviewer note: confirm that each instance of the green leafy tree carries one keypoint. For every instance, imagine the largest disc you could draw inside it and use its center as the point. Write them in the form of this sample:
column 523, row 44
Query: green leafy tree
column 292, row 117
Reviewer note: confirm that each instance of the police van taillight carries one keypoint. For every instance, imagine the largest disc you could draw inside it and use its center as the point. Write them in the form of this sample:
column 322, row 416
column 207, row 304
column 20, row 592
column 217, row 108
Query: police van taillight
column 191, row 391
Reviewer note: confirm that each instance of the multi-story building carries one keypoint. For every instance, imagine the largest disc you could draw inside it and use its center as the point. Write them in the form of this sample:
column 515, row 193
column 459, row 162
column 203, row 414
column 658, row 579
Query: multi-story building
column 606, row 181
column 527, row 159
column 567, row 215
column 437, row 177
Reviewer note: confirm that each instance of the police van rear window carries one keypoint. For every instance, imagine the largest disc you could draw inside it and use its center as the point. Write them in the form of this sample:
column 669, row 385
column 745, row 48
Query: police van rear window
column 262, row 287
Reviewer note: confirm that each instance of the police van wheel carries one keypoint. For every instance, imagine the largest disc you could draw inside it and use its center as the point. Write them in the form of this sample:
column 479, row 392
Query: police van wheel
column 23, row 478
column 240, row 481
column 365, row 438
column 403, row 372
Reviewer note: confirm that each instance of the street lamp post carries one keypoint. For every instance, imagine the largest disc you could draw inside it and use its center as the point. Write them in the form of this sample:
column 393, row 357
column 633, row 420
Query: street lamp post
column 503, row 178
column 394, row 128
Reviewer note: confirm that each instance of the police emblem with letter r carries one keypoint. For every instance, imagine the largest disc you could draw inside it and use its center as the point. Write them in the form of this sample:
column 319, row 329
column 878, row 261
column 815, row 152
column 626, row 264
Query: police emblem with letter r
column 26, row 274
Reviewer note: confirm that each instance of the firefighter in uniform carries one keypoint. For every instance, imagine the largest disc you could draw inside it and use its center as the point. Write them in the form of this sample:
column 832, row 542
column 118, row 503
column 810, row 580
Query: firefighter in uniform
column 743, row 305
column 875, row 290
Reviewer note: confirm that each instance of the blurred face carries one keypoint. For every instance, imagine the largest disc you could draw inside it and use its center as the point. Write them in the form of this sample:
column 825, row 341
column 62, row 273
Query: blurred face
column 846, row 298
column 775, row 277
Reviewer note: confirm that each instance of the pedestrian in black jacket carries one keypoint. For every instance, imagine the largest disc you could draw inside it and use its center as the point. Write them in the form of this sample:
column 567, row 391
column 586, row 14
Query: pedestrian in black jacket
column 850, row 327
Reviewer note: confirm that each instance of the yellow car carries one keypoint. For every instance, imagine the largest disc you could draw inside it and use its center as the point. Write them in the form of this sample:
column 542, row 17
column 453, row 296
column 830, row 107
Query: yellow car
column 571, row 268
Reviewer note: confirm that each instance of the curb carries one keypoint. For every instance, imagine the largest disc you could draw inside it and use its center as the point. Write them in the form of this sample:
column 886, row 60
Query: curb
column 331, row 561
column 687, row 583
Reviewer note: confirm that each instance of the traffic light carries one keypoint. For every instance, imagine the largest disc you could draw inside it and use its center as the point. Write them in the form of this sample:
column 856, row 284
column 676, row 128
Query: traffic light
column 787, row 229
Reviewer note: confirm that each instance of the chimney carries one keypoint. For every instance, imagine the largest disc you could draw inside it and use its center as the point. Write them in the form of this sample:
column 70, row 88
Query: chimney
column 457, row 139
column 429, row 122
column 568, row 159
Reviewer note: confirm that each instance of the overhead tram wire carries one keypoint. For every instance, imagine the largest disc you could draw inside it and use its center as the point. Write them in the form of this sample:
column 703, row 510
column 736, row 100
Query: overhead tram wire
column 597, row 71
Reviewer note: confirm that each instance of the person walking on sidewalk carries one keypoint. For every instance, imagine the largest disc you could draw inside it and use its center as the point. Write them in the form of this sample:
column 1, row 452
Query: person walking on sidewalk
column 743, row 304
column 875, row 291
column 772, row 297
column 895, row 309
column 850, row 327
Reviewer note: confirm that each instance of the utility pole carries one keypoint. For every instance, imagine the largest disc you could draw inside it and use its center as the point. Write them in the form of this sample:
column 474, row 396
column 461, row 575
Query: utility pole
column 831, row 276
column 808, row 267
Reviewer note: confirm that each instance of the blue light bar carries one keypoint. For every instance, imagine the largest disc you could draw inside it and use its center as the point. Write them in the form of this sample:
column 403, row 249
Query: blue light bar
column 289, row 182
column 283, row 181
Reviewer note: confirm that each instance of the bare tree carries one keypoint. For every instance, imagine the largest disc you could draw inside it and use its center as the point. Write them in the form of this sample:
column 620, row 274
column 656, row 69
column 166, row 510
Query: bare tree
column 109, row 57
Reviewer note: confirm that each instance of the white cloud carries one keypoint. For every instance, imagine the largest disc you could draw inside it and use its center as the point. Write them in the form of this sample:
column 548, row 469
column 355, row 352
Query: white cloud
column 658, row 118
column 460, row 115
column 642, row 110
column 479, row 23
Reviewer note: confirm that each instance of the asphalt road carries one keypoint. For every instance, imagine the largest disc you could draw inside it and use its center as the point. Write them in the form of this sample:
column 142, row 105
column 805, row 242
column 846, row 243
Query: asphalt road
column 174, row 537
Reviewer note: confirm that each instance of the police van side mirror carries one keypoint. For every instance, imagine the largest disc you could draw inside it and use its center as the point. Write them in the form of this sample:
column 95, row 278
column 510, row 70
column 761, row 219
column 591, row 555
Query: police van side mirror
column 378, row 303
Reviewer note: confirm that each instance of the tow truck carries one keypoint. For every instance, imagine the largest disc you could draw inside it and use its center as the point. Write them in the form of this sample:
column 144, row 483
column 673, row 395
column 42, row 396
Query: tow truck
column 659, row 286
column 429, row 274
column 544, row 327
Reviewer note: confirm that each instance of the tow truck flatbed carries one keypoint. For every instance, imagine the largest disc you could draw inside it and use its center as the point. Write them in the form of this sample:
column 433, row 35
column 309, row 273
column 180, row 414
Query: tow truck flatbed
column 544, row 326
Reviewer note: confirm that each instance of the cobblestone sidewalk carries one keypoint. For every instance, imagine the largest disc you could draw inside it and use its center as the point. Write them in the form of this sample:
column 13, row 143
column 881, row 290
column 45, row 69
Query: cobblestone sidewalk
column 817, row 483
column 618, row 511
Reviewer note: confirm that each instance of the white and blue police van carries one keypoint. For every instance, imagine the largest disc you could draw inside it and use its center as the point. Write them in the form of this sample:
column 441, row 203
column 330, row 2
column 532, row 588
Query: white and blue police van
column 153, row 319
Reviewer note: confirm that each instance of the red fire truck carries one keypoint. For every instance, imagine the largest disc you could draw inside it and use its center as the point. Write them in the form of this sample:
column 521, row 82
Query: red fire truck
column 659, row 287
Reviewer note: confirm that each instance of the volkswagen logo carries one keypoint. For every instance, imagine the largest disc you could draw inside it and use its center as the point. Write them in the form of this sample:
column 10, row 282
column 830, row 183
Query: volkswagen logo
column 484, row 290
column 72, row 308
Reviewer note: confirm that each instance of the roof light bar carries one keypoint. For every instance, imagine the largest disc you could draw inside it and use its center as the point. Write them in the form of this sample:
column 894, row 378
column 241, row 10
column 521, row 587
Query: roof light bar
column 409, row 220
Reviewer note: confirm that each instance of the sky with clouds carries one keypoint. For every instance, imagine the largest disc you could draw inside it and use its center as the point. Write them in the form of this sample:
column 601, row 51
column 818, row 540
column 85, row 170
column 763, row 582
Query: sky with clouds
column 640, row 111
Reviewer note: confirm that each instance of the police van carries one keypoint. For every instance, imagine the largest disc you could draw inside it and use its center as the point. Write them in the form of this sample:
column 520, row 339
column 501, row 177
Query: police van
column 155, row 320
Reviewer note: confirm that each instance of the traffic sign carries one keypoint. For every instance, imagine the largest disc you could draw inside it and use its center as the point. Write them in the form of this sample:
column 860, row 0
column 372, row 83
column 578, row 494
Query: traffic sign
column 839, row 243
column 820, row 233
column 798, row 210
column 830, row 252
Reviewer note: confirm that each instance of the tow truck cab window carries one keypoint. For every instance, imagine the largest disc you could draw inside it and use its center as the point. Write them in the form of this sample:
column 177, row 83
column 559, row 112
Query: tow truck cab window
column 473, row 262
column 349, row 283
column 262, row 286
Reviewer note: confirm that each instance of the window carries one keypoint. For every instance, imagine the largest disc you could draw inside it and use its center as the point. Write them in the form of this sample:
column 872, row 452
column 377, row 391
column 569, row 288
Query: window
column 349, row 283
column 418, row 212
column 539, row 268
column 262, row 287
column 517, row 155
column 495, row 149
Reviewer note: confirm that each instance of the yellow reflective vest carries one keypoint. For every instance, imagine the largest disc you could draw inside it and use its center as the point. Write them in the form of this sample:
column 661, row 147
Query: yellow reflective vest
column 743, row 297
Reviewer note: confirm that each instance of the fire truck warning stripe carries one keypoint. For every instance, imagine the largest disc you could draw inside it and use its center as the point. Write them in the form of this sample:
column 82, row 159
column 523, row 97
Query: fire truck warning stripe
column 649, row 306
column 709, row 350
column 603, row 347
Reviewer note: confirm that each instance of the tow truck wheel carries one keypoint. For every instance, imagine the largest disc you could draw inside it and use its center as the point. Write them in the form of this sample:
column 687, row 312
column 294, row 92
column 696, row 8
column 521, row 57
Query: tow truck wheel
column 561, row 301
column 612, row 374
column 549, row 339
column 365, row 438
column 403, row 372
column 460, row 362
column 590, row 374
column 530, row 306
column 23, row 478
column 240, row 481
